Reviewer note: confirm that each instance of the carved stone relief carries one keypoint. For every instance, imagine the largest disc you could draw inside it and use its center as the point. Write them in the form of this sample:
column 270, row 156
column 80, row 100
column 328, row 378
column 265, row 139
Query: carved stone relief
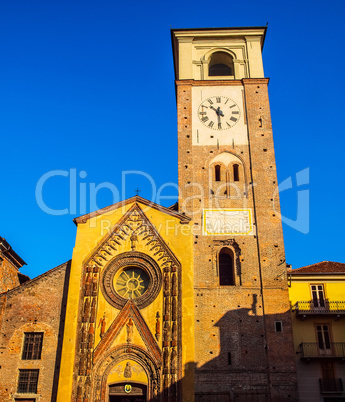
column 100, row 270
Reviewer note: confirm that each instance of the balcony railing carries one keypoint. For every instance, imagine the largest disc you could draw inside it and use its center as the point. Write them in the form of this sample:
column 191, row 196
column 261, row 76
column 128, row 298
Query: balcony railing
column 309, row 308
column 334, row 386
column 336, row 350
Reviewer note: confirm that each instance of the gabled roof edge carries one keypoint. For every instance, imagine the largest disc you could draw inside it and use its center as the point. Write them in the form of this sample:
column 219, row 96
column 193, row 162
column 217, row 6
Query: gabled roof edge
column 84, row 218
column 313, row 269
column 24, row 284
column 9, row 253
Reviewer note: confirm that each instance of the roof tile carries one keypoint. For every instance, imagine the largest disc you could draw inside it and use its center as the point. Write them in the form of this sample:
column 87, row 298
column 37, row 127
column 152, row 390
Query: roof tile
column 323, row 267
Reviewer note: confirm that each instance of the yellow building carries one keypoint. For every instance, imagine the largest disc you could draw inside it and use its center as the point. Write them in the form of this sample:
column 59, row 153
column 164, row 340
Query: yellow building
column 317, row 295
column 125, row 296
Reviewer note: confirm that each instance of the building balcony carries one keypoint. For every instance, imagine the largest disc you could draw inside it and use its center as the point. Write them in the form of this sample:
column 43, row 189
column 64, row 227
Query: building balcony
column 313, row 351
column 332, row 386
column 306, row 309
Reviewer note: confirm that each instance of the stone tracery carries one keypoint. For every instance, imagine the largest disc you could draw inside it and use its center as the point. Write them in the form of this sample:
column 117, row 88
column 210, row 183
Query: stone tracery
column 100, row 268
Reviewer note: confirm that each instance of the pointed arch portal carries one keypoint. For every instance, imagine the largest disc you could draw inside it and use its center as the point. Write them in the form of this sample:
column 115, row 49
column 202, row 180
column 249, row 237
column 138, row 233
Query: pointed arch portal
column 115, row 391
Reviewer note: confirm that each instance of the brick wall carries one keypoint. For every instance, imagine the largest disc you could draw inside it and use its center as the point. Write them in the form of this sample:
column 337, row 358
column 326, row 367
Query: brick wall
column 36, row 306
column 238, row 353
column 8, row 276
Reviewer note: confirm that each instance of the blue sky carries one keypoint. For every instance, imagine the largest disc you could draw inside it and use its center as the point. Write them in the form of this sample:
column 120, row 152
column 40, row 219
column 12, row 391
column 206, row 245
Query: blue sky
column 78, row 81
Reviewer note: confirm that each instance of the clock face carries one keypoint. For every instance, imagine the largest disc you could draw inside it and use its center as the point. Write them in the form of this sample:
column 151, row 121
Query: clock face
column 219, row 113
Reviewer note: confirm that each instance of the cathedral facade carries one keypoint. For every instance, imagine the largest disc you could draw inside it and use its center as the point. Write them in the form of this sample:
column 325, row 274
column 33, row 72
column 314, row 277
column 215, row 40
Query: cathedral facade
column 173, row 304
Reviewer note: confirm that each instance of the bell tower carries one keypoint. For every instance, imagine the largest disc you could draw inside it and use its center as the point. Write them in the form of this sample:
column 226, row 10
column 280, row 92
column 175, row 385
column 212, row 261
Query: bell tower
column 228, row 186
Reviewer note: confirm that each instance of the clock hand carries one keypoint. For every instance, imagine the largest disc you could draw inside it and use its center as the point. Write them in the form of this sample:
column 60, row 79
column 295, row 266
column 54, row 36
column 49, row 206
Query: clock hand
column 219, row 112
column 216, row 110
column 219, row 122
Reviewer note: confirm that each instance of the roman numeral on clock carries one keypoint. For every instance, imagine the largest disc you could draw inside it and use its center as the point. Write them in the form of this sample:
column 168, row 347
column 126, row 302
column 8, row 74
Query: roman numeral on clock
column 216, row 115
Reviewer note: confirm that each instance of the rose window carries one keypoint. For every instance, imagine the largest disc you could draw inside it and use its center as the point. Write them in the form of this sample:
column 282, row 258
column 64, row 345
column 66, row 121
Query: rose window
column 131, row 283
column 131, row 276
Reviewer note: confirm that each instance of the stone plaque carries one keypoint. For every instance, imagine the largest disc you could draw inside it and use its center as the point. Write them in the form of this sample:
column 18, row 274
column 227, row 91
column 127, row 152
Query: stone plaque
column 230, row 221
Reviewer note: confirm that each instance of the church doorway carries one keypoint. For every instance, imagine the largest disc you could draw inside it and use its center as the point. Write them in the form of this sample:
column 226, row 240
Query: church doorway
column 114, row 398
column 127, row 392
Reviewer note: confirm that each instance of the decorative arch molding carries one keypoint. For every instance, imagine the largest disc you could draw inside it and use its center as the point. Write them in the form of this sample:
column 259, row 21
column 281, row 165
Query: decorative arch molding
column 235, row 248
column 210, row 59
column 219, row 162
column 227, row 160
column 129, row 311
column 206, row 57
column 232, row 157
column 126, row 352
column 17, row 339
column 134, row 225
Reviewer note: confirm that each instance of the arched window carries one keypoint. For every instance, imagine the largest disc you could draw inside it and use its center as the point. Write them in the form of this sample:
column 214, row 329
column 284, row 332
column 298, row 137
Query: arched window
column 221, row 64
column 226, row 267
column 235, row 171
column 217, row 173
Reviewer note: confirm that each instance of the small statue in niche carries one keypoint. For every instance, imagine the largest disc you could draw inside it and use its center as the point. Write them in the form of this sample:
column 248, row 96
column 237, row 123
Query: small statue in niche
column 158, row 326
column 82, row 364
column 174, row 284
column 174, row 309
column 93, row 309
column 86, row 310
column 173, row 358
column 166, row 306
column 88, row 283
column 174, row 331
column 134, row 239
column 155, row 388
column 166, row 282
column 166, row 330
column 83, row 336
column 91, row 335
column 166, row 357
column 88, row 362
column 94, row 284
column 102, row 324
column 128, row 370
column 129, row 327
